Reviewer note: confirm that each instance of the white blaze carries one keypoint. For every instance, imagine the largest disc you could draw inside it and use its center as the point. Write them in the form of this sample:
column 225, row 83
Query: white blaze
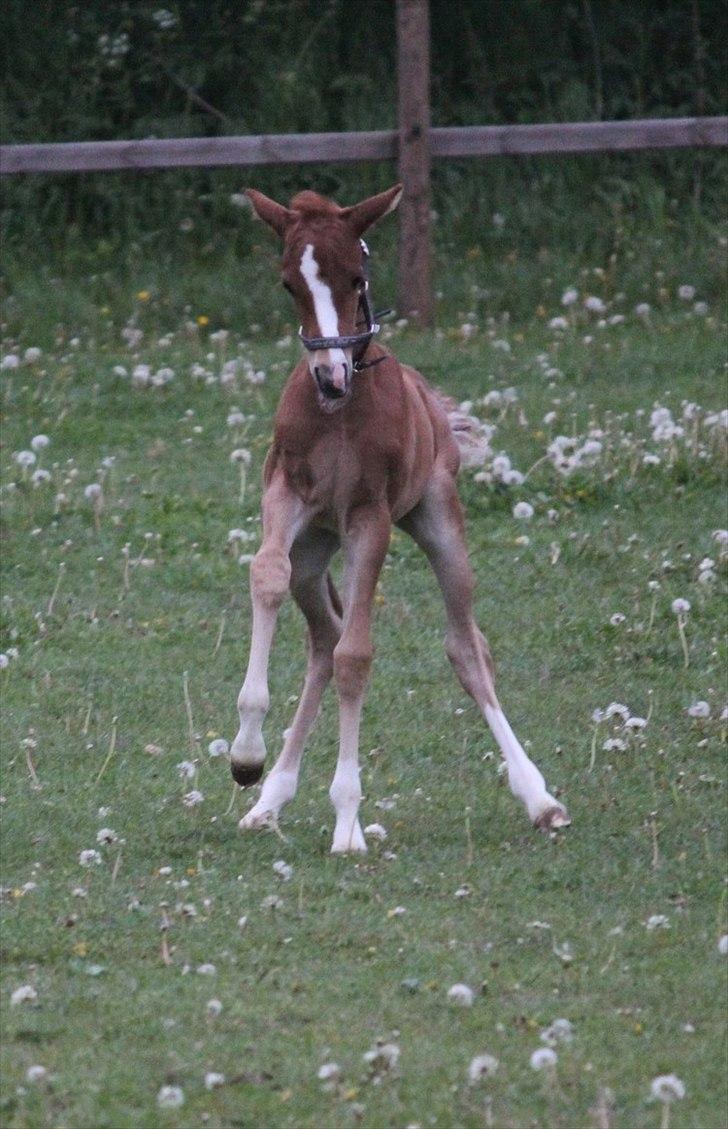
column 325, row 310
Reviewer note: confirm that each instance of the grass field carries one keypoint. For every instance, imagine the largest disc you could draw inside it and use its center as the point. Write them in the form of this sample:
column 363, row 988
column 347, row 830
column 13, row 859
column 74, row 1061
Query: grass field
column 125, row 627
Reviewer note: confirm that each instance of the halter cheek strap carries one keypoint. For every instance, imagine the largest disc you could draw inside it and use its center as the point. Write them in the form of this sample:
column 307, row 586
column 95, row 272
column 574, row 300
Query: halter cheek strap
column 359, row 342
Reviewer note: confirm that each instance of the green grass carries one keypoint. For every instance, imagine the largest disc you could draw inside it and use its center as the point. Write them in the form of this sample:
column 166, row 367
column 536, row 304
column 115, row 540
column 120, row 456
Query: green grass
column 98, row 680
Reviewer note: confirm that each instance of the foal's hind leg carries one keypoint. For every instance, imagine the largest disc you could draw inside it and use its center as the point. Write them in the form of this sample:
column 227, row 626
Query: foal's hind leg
column 315, row 594
column 436, row 524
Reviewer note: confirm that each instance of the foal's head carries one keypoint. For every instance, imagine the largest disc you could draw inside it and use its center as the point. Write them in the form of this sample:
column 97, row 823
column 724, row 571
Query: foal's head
column 323, row 269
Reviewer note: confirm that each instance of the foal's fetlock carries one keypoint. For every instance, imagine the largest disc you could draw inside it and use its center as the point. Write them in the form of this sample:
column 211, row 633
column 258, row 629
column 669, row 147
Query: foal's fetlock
column 552, row 818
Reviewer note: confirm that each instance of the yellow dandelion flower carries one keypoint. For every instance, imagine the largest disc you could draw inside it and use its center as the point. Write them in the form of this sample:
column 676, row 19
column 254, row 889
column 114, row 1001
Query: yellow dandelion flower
column 143, row 296
column 202, row 320
column 80, row 949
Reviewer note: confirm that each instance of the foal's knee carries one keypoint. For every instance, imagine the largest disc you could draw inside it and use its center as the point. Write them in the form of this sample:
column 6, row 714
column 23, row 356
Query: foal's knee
column 351, row 669
column 270, row 575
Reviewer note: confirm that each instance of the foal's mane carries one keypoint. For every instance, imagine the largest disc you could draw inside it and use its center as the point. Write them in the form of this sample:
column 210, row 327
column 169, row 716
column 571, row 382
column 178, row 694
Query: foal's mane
column 309, row 204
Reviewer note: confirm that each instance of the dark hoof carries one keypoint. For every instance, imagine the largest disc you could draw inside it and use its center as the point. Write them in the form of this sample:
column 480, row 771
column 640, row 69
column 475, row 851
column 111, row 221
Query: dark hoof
column 246, row 774
column 552, row 818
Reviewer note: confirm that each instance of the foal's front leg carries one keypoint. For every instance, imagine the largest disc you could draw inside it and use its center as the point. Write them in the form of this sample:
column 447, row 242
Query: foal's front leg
column 365, row 547
column 284, row 514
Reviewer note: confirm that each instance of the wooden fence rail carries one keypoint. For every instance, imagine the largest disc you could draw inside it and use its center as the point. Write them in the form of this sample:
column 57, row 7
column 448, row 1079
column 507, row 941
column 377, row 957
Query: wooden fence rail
column 311, row 148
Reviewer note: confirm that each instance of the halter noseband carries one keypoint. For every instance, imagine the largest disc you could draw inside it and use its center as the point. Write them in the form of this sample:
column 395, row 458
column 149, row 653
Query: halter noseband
column 356, row 341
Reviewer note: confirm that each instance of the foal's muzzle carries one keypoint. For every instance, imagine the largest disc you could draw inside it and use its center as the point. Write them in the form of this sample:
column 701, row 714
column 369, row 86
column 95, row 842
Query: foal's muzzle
column 333, row 380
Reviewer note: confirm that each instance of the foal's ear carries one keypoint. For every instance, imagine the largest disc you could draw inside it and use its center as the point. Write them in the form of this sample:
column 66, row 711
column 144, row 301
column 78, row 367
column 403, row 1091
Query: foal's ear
column 275, row 215
column 361, row 216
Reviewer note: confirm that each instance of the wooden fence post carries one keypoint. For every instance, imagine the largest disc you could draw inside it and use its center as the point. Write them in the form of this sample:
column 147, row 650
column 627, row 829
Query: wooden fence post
column 413, row 110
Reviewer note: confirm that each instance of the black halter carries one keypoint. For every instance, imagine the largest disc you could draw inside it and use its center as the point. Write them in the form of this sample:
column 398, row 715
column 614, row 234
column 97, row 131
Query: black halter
column 358, row 342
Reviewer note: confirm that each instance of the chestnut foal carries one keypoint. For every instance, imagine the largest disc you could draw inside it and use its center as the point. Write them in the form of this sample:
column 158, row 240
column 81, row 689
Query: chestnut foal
column 353, row 452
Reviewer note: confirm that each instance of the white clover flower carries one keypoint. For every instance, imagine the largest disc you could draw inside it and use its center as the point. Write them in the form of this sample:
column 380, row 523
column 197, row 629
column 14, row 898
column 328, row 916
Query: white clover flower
column 23, row 995
column 90, row 858
column 24, row 459
column 10, row 361
column 617, row 619
column 544, row 1058
column 461, row 995
column 283, row 870
column 4, row 661
column 239, row 200
column 141, row 374
column 39, row 442
column 36, row 1073
column 523, row 511
column 213, row 1008
column 328, row 1072
column 193, row 798
column 206, row 970
column 569, row 297
column 162, row 376
column 558, row 323
column 686, row 292
column 657, row 921
column 242, row 922
column 218, row 748
column 481, row 1067
column 170, row 1097
column 119, row 370
column 667, row 1088
column 594, row 304
column 213, row 1081
column 92, row 491
column 680, row 606
column 723, row 945
column 643, row 309
column 375, row 831
column 32, row 355
column 699, row 710
column 235, row 418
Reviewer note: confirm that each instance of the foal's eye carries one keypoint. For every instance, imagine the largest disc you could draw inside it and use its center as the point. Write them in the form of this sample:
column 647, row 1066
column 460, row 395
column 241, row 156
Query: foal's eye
column 357, row 282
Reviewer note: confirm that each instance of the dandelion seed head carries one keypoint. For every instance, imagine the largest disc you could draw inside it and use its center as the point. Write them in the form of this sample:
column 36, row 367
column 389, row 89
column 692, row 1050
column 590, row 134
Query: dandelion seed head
column 544, row 1058
column 218, row 748
column 170, row 1097
column 461, row 995
column 667, row 1088
column 26, row 994
column 328, row 1072
column 482, row 1067
column 680, row 606
column 213, row 1080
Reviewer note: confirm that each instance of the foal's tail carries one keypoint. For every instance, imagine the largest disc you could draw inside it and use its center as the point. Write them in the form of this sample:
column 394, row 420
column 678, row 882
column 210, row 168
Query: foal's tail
column 471, row 434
